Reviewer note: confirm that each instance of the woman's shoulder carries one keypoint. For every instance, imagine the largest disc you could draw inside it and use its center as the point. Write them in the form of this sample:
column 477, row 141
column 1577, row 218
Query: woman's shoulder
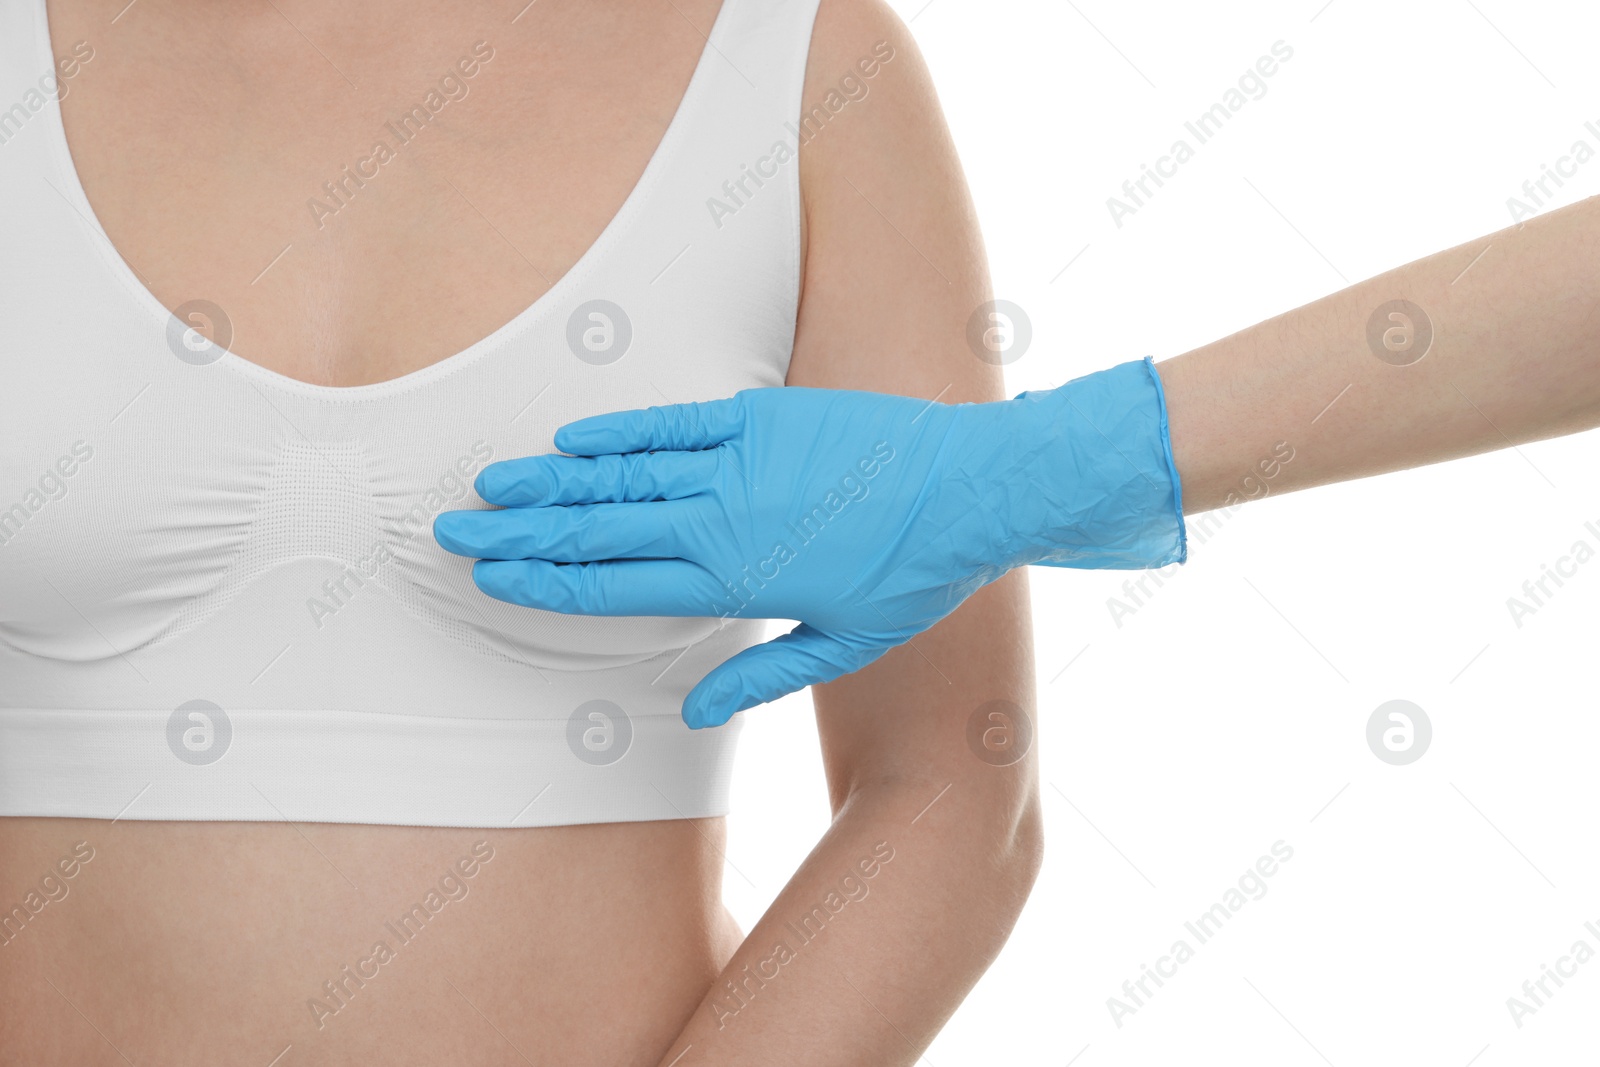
column 892, row 247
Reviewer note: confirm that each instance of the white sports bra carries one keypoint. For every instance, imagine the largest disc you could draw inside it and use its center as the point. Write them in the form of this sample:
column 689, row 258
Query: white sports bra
column 220, row 597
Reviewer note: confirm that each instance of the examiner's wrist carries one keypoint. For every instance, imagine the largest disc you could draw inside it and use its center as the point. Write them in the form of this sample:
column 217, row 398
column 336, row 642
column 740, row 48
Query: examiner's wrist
column 1102, row 490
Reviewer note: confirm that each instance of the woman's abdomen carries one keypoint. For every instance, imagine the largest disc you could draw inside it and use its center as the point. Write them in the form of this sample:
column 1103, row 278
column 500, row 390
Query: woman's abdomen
column 325, row 944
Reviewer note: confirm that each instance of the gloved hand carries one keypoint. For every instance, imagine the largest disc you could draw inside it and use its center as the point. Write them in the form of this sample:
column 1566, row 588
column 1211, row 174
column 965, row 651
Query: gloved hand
column 866, row 517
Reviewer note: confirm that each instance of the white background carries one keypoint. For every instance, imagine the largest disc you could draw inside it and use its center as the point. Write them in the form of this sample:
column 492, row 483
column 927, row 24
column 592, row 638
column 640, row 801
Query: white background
column 1230, row 711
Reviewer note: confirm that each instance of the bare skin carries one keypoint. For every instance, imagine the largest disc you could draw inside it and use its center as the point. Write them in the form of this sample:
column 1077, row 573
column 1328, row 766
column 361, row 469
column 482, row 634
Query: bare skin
column 196, row 943
column 894, row 252
column 1515, row 358
column 199, row 132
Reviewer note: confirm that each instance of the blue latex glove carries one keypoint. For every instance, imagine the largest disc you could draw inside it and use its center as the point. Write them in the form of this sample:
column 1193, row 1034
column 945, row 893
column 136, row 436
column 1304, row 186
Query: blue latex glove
column 866, row 517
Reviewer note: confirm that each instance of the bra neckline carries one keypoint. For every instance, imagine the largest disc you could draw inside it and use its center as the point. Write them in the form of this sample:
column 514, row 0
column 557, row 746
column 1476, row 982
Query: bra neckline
column 585, row 264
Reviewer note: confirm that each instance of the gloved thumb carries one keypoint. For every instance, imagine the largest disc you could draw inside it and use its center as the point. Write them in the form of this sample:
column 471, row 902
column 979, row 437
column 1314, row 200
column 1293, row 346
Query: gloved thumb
column 803, row 656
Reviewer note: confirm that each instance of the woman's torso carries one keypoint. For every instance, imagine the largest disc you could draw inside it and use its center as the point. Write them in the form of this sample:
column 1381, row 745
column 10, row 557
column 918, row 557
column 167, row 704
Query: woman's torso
column 205, row 137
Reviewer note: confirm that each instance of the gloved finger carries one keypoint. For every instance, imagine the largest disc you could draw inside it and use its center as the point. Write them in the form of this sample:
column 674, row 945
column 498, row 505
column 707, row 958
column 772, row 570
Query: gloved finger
column 623, row 587
column 669, row 428
column 543, row 480
column 803, row 656
column 582, row 533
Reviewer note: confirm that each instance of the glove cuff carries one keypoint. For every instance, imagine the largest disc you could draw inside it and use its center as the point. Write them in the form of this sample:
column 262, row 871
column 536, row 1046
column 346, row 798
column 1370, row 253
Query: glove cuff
column 1105, row 490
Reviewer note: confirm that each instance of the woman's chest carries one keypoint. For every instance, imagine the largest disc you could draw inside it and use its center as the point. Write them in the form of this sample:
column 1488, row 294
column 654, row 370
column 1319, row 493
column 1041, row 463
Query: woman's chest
column 360, row 199
column 326, row 387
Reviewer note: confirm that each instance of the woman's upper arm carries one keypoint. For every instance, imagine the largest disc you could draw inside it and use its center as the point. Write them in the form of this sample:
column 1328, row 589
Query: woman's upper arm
column 894, row 268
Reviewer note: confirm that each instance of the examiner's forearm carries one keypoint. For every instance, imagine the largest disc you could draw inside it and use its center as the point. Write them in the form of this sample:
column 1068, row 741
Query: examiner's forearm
column 843, row 968
column 1514, row 357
